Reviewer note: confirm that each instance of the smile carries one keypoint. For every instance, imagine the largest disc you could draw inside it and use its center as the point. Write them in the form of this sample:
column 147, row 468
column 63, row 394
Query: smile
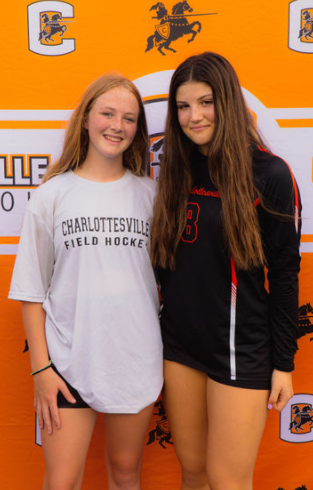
column 199, row 128
column 114, row 139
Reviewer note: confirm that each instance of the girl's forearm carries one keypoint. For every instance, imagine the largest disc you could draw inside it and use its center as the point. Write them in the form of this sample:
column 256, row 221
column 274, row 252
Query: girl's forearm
column 34, row 324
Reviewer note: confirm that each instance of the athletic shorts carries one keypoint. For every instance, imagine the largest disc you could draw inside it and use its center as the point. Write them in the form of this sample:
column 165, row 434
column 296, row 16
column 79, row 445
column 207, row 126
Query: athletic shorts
column 263, row 383
column 62, row 401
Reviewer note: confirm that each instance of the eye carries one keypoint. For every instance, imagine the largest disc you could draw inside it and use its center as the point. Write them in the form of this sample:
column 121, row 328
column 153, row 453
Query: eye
column 207, row 102
column 182, row 107
column 130, row 119
column 107, row 114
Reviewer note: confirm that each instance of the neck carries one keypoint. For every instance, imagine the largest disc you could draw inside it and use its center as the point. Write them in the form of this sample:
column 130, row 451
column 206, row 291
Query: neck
column 101, row 171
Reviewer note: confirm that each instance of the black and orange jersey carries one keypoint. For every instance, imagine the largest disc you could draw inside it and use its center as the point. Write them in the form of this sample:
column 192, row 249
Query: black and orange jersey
column 224, row 321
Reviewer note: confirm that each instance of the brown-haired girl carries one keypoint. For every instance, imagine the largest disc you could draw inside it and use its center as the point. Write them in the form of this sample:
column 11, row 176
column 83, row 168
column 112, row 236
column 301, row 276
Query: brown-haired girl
column 226, row 207
column 88, row 291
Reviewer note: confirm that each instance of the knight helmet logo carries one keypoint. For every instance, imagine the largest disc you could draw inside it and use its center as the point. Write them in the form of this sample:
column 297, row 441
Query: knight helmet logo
column 47, row 25
column 301, row 26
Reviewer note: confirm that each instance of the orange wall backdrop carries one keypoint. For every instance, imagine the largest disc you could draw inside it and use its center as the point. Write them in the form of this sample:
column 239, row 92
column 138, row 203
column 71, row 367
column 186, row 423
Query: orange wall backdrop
column 50, row 51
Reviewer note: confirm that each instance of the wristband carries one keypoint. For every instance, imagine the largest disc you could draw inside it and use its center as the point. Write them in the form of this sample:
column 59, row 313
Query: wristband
column 42, row 369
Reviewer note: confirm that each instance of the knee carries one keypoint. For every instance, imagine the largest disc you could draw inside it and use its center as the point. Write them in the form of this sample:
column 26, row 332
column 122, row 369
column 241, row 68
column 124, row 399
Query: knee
column 57, row 481
column 194, row 474
column 124, row 472
column 226, row 483
column 195, row 480
column 227, row 486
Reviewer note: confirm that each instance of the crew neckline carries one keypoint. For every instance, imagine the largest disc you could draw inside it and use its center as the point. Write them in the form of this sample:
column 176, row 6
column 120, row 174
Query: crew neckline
column 114, row 184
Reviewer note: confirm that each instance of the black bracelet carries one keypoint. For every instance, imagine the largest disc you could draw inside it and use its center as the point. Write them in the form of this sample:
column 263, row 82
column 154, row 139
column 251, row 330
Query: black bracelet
column 42, row 369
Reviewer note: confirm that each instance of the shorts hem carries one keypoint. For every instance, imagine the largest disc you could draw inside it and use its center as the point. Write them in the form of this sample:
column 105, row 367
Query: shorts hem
column 62, row 402
column 239, row 383
column 251, row 384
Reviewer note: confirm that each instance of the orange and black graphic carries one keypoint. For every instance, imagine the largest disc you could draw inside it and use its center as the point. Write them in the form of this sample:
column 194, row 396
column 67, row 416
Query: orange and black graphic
column 306, row 31
column 303, row 487
column 296, row 419
column 305, row 323
column 301, row 418
column 161, row 433
column 156, row 154
column 51, row 26
column 172, row 27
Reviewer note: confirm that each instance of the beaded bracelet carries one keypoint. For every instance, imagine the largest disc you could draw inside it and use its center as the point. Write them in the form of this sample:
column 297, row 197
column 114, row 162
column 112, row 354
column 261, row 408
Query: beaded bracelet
column 42, row 369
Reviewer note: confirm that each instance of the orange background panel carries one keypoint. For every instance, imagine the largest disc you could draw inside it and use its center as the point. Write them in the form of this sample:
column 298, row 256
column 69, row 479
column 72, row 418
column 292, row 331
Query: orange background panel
column 113, row 36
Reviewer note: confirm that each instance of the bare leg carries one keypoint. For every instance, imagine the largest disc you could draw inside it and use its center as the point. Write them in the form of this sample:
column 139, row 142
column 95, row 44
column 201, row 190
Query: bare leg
column 65, row 450
column 124, row 441
column 236, row 419
column 186, row 408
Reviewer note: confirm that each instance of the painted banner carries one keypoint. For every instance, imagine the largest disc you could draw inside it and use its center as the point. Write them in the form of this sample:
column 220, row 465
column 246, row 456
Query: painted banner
column 50, row 52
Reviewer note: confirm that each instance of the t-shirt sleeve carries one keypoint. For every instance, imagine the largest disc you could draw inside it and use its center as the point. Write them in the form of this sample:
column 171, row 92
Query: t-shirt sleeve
column 34, row 263
column 281, row 236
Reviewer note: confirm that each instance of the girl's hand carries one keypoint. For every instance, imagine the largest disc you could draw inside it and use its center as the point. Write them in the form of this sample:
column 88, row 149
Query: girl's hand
column 281, row 390
column 47, row 385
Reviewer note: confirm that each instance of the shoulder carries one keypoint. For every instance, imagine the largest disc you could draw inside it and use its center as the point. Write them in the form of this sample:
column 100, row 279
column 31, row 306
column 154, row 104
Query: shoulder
column 54, row 183
column 269, row 165
column 46, row 194
column 145, row 184
column 272, row 174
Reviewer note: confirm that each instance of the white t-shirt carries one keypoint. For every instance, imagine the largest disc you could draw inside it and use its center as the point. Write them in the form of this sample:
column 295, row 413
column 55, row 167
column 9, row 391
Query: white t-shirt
column 83, row 253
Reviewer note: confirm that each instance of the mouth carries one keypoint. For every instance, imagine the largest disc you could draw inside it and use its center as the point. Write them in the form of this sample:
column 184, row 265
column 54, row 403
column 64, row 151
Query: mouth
column 113, row 139
column 198, row 128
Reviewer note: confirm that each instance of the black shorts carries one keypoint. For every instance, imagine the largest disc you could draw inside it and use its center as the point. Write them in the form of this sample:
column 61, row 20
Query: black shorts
column 260, row 383
column 62, row 401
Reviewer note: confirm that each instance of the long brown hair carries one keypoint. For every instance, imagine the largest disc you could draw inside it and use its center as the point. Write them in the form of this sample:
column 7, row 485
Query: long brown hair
column 229, row 162
column 77, row 139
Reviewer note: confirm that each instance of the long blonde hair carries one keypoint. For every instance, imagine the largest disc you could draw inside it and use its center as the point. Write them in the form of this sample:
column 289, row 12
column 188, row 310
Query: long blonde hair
column 229, row 163
column 76, row 140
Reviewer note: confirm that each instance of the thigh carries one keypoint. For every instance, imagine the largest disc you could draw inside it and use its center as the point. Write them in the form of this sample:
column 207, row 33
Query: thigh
column 236, row 420
column 125, row 437
column 185, row 405
column 65, row 450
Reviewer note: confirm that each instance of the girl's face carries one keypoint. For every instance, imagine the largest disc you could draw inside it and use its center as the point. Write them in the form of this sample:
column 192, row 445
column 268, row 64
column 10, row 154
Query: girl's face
column 112, row 124
column 195, row 110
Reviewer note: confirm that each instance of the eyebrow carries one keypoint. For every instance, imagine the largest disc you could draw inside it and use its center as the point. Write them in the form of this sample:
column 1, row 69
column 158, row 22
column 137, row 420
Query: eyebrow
column 207, row 95
column 200, row 98
column 108, row 108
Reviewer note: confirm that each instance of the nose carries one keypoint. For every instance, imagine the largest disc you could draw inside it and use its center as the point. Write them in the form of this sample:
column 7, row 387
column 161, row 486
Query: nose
column 195, row 113
column 117, row 123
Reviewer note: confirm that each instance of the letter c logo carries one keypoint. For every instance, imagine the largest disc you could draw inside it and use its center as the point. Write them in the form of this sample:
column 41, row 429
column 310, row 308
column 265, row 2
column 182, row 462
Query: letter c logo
column 45, row 20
